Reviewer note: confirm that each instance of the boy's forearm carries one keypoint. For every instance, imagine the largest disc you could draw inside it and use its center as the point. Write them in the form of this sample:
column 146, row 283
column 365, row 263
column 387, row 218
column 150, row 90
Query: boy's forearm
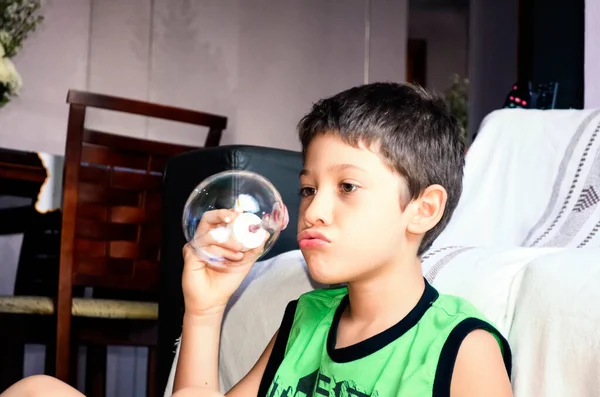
column 198, row 361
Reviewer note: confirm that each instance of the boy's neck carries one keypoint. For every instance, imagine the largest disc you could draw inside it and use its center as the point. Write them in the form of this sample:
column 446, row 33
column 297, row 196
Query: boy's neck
column 387, row 297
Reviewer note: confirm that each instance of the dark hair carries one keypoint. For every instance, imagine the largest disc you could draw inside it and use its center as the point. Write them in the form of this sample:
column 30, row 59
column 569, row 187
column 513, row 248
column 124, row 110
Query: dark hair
column 416, row 134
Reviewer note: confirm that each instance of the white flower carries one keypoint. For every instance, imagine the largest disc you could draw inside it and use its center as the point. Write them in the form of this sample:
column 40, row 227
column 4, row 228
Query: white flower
column 9, row 76
column 4, row 38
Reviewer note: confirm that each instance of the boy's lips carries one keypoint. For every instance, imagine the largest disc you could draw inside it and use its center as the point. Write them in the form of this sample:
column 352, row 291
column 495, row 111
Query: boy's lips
column 311, row 239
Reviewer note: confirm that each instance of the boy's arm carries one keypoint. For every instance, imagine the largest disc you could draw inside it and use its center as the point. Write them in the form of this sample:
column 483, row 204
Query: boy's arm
column 479, row 370
column 202, row 334
column 198, row 361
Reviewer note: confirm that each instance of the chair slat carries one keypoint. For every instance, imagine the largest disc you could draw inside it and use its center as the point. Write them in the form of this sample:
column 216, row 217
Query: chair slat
column 97, row 212
column 124, row 143
column 99, row 194
column 89, row 229
column 124, row 250
column 150, row 235
column 90, row 248
column 107, row 156
column 94, row 174
column 124, row 179
column 131, row 215
column 116, row 273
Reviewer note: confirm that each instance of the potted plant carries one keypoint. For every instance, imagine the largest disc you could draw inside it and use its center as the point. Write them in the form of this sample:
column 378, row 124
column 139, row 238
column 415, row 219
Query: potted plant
column 18, row 19
column 457, row 97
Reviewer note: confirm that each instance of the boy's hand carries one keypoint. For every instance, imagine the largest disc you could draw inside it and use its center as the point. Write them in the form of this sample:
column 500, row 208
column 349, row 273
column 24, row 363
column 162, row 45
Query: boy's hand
column 207, row 287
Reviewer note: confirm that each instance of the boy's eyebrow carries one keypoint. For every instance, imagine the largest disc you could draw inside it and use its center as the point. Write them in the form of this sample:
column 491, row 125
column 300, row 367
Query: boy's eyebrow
column 335, row 167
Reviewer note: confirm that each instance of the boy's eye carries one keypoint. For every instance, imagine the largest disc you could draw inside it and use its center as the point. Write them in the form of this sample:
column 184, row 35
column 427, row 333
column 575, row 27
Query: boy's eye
column 348, row 187
column 307, row 191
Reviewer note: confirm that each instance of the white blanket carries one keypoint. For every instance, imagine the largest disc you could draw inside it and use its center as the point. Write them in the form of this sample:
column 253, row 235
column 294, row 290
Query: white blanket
column 524, row 245
column 544, row 301
column 532, row 178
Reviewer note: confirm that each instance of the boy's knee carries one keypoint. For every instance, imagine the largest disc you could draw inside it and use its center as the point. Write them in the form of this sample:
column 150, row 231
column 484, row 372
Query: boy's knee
column 38, row 382
column 197, row 392
column 39, row 385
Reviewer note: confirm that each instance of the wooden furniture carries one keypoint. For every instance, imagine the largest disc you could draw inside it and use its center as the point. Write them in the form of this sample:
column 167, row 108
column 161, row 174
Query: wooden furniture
column 21, row 166
column 110, row 236
column 21, row 177
column 111, row 216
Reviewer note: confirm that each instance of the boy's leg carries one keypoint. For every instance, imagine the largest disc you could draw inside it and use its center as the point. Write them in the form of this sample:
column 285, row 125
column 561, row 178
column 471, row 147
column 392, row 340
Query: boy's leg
column 40, row 386
column 194, row 392
column 46, row 386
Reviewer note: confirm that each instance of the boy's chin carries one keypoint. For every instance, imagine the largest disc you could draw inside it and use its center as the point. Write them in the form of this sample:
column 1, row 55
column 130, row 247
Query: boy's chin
column 325, row 273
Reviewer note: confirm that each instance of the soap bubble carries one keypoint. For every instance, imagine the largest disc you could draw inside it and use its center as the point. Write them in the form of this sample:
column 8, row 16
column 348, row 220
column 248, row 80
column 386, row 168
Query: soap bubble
column 252, row 203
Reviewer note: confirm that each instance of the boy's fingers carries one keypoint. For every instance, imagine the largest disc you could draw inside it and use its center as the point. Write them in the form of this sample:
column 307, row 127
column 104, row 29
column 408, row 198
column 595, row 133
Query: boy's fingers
column 229, row 250
column 220, row 253
column 216, row 217
column 209, row 239
column 189, row 253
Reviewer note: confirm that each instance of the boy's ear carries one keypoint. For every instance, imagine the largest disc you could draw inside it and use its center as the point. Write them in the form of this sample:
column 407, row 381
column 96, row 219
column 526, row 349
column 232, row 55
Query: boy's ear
column 427, row 210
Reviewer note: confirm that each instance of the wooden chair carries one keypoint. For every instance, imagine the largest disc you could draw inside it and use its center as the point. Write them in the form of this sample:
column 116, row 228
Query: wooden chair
column 110, row 235
column 112, row 224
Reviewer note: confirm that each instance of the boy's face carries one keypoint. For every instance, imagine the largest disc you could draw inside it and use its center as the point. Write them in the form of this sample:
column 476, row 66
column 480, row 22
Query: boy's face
column 351, row 221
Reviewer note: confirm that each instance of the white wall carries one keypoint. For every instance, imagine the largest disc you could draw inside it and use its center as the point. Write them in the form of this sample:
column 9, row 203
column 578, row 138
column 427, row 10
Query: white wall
column 446, row 33
column 592, row 54
column 262, row 63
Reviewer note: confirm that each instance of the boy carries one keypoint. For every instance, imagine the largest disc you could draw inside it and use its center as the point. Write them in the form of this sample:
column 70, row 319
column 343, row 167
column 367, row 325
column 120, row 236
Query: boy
column 382, row 175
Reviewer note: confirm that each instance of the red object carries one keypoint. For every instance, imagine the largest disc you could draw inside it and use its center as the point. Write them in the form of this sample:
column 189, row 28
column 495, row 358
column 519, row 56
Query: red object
column 518, row 100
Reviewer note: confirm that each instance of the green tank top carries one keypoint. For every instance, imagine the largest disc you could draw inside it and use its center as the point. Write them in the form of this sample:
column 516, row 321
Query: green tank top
column 413, row 358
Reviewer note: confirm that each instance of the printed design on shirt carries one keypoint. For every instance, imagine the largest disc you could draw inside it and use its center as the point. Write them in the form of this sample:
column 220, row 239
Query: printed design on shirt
column 317, row 385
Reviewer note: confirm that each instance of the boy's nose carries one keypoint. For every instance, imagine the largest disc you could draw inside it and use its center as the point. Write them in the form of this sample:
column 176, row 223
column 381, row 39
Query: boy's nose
column 319, row 211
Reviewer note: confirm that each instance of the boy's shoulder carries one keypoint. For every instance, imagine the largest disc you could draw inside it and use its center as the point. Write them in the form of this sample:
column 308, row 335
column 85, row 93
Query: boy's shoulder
column 455, row 306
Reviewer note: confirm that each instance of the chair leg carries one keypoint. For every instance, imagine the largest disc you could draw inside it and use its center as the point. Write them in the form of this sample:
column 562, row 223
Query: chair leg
column 50, row 359
column 151, row 381
column 12, row 360
column 63, row 346
column 73, row 365
column 95, row 371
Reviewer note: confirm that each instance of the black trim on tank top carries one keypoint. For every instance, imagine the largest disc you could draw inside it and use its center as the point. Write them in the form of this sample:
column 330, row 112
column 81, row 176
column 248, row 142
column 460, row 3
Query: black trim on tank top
column 379, row 341
column 445, row 367
column 278, row 352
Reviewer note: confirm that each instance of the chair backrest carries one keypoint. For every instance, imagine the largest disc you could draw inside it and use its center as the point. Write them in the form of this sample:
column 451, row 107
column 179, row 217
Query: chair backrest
column 112, row 196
